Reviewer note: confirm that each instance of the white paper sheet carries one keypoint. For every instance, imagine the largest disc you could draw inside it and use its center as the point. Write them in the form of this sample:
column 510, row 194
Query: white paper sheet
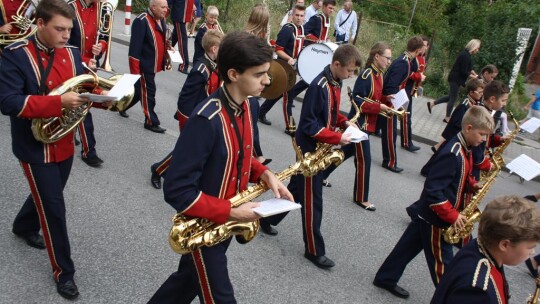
column 356, row 134
column 400, row 99
column 525, row 167
column 175, row 56
column 125, row 83
column 99, row 98
column 275, row 206
column 531, row 125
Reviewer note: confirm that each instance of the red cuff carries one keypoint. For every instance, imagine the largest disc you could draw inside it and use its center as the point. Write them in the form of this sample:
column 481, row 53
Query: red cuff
column 485, row 165
column 134, row 66
column 36, row 106
column 257, row 170
column 210, row 207
column 279, row 48
column 327, row 136
column 370, row 107
column 445, row 211
column 312, row 37
column 416, row 76
column 497, row 141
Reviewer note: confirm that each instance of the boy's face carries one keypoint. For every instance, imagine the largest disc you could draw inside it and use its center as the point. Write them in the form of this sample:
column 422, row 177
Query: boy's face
column 477, row 94
column 497, row 103
column 488, row 77
column 298, row 17
column 328, row 10
column 343, row 72
column 517, row 253
column 474, row 137
column 211, row 18
column 252, row 81
column 56, row 32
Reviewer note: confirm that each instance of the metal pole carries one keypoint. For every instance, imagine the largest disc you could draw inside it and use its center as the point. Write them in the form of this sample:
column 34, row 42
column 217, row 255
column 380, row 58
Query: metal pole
column 412, row 15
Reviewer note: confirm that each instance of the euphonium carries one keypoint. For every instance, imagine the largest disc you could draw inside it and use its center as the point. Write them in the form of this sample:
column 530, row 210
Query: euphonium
column 104, row 29
column 23, row 20
column 391, row 112
column 49, row 130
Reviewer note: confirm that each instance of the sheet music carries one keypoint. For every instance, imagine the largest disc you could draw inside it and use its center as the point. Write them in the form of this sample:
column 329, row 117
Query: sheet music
column 125, row 83
column 356, row 134
column 531, row 125
column 98, row 98
column 175, row 56
column 275, row 206
column 525, row 167
column 400, row 99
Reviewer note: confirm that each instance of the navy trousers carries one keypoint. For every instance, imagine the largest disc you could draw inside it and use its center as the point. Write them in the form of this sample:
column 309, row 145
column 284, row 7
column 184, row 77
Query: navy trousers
column 388, row 140
column 418, row 236
column 88, row 141
column 145, row 91
column 45, row 208
column 202, row 273
column 180, row 31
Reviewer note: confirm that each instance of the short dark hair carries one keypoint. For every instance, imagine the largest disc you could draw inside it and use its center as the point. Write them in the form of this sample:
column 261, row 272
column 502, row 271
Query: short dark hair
column 495, row 88
column 490, row 68
column 415, row 43
column 473, row 84
column 299, row 7
column 47, row 9
column 328, row 2
column 347, row 53
column 241, row 51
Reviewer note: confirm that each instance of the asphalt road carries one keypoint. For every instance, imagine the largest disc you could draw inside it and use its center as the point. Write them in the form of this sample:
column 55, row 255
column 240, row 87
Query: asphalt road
column 118, row 223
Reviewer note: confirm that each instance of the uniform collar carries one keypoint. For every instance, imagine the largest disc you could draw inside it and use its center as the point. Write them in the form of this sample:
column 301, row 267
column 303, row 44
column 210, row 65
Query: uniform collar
column 42, row 47
column 488, row 256
column 226, row 97
column 213, row 64
column 84, row 5
column 407, row 56
column 463, row 142
column 376, row 69
column 328, row 74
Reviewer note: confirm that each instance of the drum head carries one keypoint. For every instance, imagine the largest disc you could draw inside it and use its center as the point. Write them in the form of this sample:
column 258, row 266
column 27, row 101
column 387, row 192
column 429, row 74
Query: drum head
column 291, row 73
column 313, row 59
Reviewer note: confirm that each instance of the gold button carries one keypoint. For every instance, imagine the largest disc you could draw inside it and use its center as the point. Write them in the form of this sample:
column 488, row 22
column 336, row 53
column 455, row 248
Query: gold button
column 245, row 173
column 50, row 82
column 248, row 146
column 63, row 60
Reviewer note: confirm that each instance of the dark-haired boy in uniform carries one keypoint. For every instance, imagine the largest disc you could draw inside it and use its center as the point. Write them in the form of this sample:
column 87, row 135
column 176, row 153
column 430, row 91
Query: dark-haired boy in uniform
column 508, row 232
column 83, row 35
column 444, row 195
column 217, row 141
column 395, row 79
column 201, row 82
column 31, row 68
column 289, row 44
column 147, row 56
column 319, row 120
column 211, row 23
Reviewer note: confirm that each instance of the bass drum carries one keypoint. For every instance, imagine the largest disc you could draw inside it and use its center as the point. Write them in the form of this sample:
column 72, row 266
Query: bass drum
column 314, row 58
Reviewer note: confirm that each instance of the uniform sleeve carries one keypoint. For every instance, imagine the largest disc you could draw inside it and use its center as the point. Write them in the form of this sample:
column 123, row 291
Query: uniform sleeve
column 313, row 27
column 138, row 31
column 14, row 101
column 312, row 113
column 257, row 170
column 362, row 88
column 467, row 294
column 454, row 125
column 495, row 140
column 439, row 178
column 284, row 39
column 181, row 186
column 394, row 77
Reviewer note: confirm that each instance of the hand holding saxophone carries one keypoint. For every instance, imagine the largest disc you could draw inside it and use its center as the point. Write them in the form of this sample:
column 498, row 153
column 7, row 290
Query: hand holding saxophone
column 72, row 100
column 460, row 222
column 244, row 213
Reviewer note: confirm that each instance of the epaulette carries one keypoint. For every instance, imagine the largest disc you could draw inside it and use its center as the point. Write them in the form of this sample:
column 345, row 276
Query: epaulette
column 465, row 101
column 203, row 69
column 17, row 44
column 367, row 73
column 322, row 82
column 456, row 148
column 210, row 109
column 71, row 1
column 141, row 16
column 482, row 274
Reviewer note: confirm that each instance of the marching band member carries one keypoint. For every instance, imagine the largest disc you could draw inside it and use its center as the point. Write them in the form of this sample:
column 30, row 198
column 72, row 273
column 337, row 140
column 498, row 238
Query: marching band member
column 319, row 119
column 83, row 36
column 289, row 15
column 211, row 23
column 368, row 85
column 290, row 42
column 202, row 81
column 181, row 12
column 476, row 274
column 218, row 127
column 413, row 83
column 47, row 58
column 439, row 206
column 147, row 52
column 395, row 79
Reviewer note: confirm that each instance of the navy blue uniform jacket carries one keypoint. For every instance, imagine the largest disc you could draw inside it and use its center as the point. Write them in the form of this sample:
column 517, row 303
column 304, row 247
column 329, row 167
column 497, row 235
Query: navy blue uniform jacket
column 397, row 74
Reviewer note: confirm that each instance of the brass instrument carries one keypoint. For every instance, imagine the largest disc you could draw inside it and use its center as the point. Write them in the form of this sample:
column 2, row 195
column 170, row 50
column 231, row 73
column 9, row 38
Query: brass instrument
column 24, row 20
column 471, row 211
column 188, row 234
column 49, row 130
column 104, row 29
column 534, row 299
column 388, row 114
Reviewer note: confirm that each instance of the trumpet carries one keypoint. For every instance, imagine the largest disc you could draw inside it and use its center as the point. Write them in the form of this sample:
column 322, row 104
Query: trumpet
column 388, row 113
column 104, row 30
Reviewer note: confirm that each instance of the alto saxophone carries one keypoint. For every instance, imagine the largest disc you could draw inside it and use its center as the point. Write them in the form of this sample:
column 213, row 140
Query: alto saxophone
column 471, row 212
column 534, row 299
column 189, row 234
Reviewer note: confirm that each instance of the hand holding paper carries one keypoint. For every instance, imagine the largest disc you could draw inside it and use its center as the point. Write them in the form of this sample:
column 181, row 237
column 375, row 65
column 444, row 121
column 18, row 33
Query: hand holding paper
column 356, row 135
column 274, row 206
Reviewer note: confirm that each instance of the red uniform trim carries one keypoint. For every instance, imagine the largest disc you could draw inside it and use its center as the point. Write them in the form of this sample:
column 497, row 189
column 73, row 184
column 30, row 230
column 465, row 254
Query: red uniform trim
column 308, row 214
column 203, row 277
column 437, row 252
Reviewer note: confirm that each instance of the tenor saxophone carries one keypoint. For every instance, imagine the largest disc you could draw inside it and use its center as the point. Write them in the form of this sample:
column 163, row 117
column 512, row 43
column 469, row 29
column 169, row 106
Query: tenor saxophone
column 472, row 212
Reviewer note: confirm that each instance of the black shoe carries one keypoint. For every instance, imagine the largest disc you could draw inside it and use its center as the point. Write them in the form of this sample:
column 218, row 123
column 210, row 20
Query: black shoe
column 320, row 261
column 33, row 240
column 368, row 207
column 411, row 148
column 77, row 142
column 267, row 161
column 396, row 290
column 67, row 289
column 429, row 107
column 394, row 169
column 123, row 114
column 326, row 183
column 433, row 149
column 263, row 120
column 290, row 133
column 155, row 179
column 534, row 272
column 94, row 161
column 266, row 228
column 156, row 129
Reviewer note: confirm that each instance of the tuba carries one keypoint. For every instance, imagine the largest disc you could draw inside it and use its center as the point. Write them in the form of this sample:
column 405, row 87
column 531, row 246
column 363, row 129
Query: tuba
column 24, row 21
column 104, row 29
column 50, row 130
column 189, row 234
